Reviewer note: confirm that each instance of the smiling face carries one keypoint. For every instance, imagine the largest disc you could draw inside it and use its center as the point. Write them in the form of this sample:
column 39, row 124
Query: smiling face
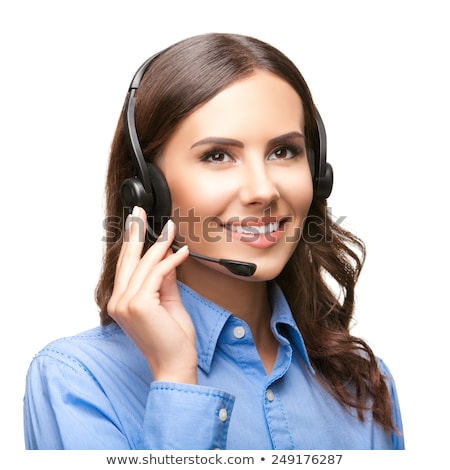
column 239, row 176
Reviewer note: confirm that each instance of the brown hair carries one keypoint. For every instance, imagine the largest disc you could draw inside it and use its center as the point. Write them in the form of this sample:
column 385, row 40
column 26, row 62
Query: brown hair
column 182, row 78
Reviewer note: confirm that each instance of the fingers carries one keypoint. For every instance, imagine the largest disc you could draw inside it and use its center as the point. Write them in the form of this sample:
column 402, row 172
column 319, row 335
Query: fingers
column 135, row 274
column 163, row 270
column 131, row 250
column 155, row 255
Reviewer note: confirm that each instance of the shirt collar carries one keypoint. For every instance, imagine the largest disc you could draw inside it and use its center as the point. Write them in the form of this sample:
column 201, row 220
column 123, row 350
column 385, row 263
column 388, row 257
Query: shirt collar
column 209, row 320
column 282, row 315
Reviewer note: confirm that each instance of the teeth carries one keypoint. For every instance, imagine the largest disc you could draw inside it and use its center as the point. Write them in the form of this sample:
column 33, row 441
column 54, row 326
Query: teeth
column 255, row 229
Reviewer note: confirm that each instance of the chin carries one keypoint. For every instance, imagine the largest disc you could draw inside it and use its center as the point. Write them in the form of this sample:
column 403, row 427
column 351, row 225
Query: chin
column 266, row 274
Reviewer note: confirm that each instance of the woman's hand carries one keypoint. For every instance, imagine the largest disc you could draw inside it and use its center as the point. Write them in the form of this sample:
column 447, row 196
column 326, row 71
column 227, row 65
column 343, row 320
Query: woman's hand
column 146, row 303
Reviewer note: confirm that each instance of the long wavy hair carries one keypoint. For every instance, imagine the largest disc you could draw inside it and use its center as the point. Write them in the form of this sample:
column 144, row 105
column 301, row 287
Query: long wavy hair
column 181, row 79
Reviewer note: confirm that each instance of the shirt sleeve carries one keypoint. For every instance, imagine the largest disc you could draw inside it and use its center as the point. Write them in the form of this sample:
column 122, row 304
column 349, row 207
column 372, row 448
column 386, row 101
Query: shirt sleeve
column 66, row 408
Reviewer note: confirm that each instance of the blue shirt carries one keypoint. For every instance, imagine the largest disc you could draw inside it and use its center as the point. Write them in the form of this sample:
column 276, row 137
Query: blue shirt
column 95, row 391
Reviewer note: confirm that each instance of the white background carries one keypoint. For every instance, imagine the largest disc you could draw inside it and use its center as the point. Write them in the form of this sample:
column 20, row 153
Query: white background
column 380, row 77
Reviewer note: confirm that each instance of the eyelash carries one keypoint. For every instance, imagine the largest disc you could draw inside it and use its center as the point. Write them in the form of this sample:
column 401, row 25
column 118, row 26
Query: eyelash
column 212, row 153
column 295, row 151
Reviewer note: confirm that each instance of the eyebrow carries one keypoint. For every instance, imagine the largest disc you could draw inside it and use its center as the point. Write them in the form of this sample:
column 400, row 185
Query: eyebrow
column 237, row 143
column 218, row 141
column 285, row 137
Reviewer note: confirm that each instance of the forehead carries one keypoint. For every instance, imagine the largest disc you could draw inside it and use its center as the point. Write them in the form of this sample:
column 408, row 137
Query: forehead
column 262, row 104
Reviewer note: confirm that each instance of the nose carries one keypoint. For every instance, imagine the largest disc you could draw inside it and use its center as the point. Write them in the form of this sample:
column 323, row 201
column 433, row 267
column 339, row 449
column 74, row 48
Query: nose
column 258, row 186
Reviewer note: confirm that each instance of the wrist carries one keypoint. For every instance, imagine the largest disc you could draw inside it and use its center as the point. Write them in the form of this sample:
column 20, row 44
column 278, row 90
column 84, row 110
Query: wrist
column 185, row 375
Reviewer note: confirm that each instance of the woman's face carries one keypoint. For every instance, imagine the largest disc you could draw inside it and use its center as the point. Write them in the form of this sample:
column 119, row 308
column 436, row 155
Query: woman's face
column 239, row 176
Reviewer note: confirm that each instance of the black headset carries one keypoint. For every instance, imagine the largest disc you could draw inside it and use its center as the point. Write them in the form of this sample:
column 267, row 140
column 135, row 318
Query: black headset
column 149, row 189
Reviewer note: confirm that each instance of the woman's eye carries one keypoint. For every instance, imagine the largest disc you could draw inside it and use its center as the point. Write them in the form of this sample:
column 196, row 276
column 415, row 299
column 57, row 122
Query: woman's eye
column 217, row 157
column 285, row 153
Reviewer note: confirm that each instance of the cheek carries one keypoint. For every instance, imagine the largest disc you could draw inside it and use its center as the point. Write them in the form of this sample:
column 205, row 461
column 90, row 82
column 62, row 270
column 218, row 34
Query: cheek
column 201, row 195
column 299, row 194
column 196, row 203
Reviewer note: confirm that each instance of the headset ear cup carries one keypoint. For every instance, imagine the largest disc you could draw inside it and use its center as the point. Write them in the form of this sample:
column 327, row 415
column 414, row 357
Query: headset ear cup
column 157, row 203
column 324, row 183
column 161, row 200
column 323, row 174
column 132, row 193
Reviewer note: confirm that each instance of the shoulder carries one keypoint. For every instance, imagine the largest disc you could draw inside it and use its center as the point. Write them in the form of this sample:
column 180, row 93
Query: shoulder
column 93, row 338
column 83, row 351
column 384, row 369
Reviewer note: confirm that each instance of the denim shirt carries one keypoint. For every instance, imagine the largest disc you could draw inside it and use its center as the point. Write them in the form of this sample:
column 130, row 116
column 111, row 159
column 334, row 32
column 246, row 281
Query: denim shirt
column 95, row 391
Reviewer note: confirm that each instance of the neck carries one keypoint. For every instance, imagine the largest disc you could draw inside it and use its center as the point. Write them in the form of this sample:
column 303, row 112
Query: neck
column 246, row 299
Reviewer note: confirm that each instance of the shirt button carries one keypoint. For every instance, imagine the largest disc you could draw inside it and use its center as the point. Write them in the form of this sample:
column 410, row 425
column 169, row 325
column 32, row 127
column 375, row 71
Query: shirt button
column 270, row 395
column 239, row 332
column 223, row 414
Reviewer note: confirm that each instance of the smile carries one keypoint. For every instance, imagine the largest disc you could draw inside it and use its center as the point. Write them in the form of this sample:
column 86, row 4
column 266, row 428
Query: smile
column 254, row 229
column 258, row 232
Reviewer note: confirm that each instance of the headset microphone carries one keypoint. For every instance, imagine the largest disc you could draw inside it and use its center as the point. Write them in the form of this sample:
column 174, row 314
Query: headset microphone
column 240, row 268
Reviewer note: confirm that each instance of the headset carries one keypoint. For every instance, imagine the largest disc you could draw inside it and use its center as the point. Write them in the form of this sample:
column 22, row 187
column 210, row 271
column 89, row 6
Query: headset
column 149, row 189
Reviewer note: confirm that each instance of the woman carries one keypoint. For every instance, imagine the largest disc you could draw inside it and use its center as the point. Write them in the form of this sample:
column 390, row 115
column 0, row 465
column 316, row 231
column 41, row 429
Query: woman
column 192, row 353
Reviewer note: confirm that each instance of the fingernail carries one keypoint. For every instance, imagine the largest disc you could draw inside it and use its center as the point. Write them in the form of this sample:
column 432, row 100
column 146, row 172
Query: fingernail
column 128, row 222
column 166, row 229
column 131, row 218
